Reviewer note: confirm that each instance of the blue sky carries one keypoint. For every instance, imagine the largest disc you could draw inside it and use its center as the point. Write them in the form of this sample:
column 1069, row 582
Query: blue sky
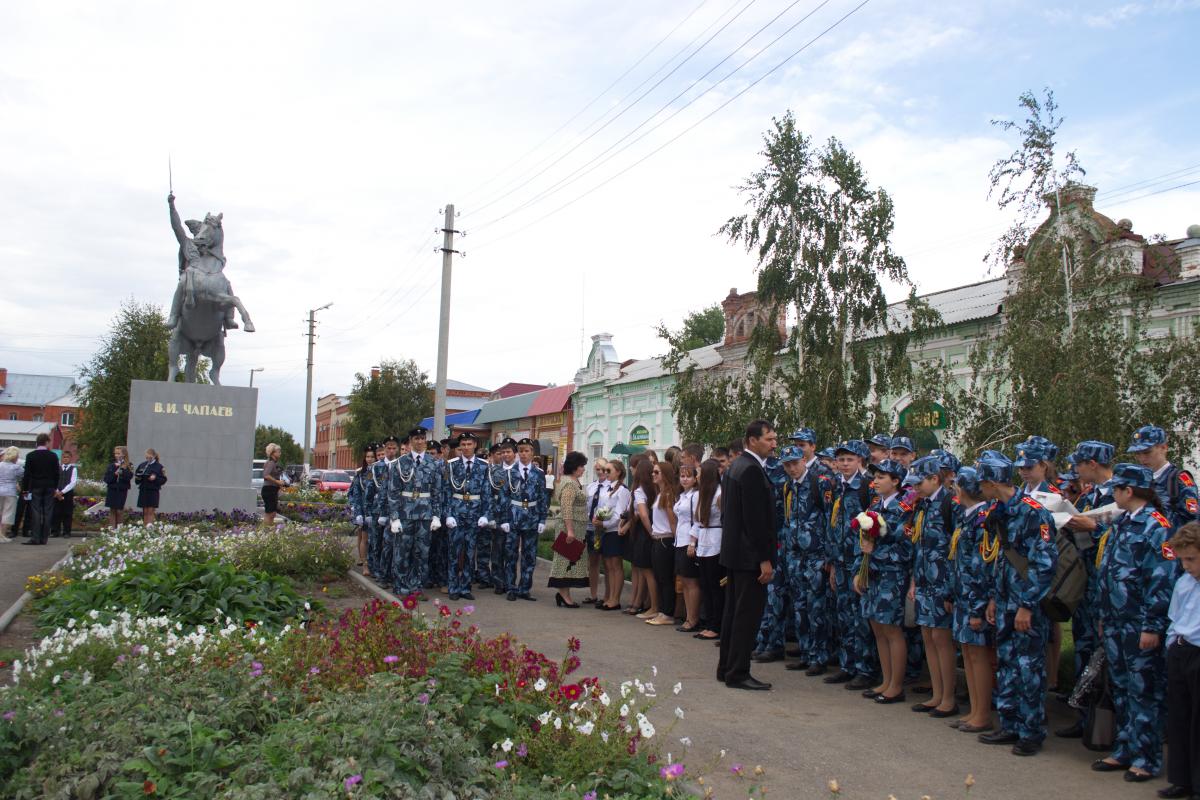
column 331, row 135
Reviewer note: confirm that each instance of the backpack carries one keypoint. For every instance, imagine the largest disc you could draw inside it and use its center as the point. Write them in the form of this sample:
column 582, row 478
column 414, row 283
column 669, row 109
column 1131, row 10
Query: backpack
column 1069, row 584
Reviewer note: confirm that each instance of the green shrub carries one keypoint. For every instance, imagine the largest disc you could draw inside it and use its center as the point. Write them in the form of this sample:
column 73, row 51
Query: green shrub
column 306, row 553
column 192, row 593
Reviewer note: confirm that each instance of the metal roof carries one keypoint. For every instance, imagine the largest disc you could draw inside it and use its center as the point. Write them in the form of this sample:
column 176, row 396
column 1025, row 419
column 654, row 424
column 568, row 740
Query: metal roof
column 647, row 368
column 461, row 418
column 506, row 408
column 960, row 304
column 34, row 390
column 459, row 386
column 552, row 400
column 16, row 427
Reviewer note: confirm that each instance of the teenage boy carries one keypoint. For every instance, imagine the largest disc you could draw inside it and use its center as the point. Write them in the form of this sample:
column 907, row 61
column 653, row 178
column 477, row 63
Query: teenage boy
column 525, row 508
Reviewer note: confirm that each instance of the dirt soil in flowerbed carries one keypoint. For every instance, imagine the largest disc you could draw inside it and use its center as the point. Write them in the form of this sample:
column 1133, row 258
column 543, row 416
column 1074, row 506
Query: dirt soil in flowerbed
column 335, row 595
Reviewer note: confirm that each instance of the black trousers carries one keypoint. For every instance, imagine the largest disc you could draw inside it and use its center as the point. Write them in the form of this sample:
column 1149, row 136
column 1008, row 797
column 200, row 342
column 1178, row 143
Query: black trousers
column 63, row 516
column 1183, row 715
column 42, row 508
column 711, row 592
column 662, row 561
column 745, row 599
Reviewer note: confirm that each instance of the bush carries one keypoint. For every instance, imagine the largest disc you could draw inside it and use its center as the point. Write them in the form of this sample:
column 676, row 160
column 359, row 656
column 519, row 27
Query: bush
column 191, row 593
column 306, row 553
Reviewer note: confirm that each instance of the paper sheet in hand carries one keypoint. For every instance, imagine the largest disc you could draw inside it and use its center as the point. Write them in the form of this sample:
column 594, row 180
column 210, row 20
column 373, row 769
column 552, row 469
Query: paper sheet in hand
column 1059, row 507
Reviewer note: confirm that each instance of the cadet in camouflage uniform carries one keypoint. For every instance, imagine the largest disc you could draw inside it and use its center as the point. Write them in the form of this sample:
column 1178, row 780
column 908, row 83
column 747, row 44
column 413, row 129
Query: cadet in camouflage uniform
column 851, row 496
column 1175, row 487
column 380, row 477
column 1022, row 540
column 437, row 575
column 525, row 507
column 1136, row 574
column 971, row 586
column 361, row 500
column 466, row 500
column 414, row 507
column 506, row 453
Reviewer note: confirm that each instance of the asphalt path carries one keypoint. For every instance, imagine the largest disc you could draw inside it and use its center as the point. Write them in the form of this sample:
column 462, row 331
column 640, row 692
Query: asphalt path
column 18, row 562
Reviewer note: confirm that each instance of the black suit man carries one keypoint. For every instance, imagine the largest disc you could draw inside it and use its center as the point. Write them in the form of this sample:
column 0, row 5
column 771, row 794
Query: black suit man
column 40, row 482
column 748, row 553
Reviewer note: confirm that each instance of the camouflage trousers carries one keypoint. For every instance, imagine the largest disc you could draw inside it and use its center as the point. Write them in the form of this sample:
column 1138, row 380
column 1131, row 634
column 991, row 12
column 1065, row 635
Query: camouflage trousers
column 1021, row 676
column 856, row 643
column 483, row 555
column 1139, row 693
column 410, row 557
column 520, row 557
column 439, row 558
column 772, row 628
column 461, row 556
column 809, row 584
column 374, row 549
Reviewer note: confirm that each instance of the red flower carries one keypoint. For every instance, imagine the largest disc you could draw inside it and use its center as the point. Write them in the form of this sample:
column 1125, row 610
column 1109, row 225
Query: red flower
column 573, row 644
column 572, row 691
column 410, row 603
column 445, row 611
column 571, row 664
column 149, row 788
column 250, row 623
column 521, row 684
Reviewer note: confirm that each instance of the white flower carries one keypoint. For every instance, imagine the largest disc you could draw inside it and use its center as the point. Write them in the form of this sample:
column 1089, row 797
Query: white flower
column 604, row 736
column 506, row 745
column 624, row 710
column 644, row 726
column 722, row 754
column 545, row 717
column 677, row 688
column 586, row 728
column 558, row 723
column 654, row 671
column 679, row 712
column 56, row 679
column 540, row 684
column 685, row 741
column 604, row 701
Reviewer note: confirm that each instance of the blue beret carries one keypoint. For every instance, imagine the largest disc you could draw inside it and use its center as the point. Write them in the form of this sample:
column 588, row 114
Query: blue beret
column 828, row 452
column 804, row 435
column 994, row 466
column 791, row 453
column 968, row 479
column 922, row 468
column 855, row 447
column 1146, row 437
column 881, row 440
column 903, row 443
column 947, row 459
column 1091, row 450
column 1134, row 476
column 889, row 467
column 1032, row 451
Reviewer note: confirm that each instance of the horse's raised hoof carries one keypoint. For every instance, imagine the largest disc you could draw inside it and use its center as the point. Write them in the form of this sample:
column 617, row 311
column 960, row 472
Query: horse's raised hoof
column 230, row 324
column 249, row 327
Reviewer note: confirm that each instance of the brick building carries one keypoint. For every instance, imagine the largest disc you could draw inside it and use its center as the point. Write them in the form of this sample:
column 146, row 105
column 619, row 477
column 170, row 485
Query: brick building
column 40, row 399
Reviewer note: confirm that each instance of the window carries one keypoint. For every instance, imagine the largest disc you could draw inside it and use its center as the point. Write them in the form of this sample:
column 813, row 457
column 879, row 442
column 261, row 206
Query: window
column 12, row 415
column 68, row 418
column 597, row 452
column 37, row 417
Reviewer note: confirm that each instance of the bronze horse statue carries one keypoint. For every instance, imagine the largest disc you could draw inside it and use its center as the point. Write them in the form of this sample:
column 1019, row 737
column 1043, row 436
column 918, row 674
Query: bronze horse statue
column 202, row 309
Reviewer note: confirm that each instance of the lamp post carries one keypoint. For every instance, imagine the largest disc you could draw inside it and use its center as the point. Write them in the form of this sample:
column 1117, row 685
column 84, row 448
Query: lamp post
column 252, row 371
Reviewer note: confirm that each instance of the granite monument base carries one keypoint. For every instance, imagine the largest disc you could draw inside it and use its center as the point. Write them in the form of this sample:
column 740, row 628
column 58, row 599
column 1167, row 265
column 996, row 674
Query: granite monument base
column 204, row 436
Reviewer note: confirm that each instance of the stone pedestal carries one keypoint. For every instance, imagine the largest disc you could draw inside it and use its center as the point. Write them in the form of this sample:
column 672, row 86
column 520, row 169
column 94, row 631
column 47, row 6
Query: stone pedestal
column 204, row 436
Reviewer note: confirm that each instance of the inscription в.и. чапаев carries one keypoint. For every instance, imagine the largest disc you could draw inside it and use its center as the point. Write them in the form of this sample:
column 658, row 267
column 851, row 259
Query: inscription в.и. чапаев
column 200, row 410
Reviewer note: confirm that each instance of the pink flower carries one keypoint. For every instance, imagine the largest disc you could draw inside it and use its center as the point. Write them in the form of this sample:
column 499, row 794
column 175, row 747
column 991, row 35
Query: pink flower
column 468, row 609
column 522, row 750
column 390, row 659
column 423, row 698
column 736, row 769
column 671, row 772
column 352, row 781
column 590, row 795
column 501, row 764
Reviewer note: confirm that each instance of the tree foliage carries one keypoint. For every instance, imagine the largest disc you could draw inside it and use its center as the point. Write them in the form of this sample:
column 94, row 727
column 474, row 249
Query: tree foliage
column 392, row 403
column 292, row 453
column 821, row 235
column 1072, row 359
column 135, row 348
column 700, row 329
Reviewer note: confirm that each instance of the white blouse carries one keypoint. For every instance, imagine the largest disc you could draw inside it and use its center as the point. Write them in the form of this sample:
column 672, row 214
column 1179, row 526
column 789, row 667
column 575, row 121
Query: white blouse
column 660, row 522
column 708, row 538
column 685, row 533
column 618, row 501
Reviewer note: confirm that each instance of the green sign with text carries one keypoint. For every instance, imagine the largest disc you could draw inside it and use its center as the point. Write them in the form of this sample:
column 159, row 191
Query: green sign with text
column 929, row 416
column 639, row 436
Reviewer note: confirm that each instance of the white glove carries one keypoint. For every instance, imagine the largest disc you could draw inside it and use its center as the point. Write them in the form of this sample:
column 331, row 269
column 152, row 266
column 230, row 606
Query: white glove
column 382, row 520
column 504, row 527
column 483, row 523
column 358, row 520
column 451, row 522
column 541, row 527
column 395, row 526
column 435, row 524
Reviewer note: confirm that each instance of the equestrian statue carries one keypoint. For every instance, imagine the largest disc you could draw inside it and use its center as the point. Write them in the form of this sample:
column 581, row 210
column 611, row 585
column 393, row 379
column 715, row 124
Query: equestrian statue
column 202, row 309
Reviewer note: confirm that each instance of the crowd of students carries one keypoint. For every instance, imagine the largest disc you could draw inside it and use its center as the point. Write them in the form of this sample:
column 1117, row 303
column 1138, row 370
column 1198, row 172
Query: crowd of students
column 884, row 560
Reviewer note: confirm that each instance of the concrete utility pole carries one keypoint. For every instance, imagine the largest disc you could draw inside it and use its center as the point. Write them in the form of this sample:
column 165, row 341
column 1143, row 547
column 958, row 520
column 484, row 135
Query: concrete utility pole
column 312, row 338
column 439, row 389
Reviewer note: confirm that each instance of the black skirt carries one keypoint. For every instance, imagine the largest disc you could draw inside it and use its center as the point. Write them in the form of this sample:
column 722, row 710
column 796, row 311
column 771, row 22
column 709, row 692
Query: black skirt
column 148, row 496
column 686, row 567
column 116, row 498
column 612, row 544
column 270, row 496
column 641, row 548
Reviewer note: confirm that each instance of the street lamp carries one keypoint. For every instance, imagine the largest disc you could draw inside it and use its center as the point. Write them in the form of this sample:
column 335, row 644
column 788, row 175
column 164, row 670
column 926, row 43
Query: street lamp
column 252, row 371
column 312, row 338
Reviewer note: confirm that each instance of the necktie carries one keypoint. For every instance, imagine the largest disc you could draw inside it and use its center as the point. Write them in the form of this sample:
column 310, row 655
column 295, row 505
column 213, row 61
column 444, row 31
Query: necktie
column 524, row 474
column 595, row 500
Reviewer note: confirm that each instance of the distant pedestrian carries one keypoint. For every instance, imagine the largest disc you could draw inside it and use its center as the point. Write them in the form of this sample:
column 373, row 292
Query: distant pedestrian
column 150, row 476
column 10, row 482
column 272, row 483
column 38, row 484
column 118, row 478
column 64, row 497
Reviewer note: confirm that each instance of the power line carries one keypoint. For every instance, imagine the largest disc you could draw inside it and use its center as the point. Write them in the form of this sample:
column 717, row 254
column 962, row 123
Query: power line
column 594, row 100
column 587, row 168
column 621, row 113
column 1149, row 181
column 1160, row 191
column 400, row 285
column 686, row 130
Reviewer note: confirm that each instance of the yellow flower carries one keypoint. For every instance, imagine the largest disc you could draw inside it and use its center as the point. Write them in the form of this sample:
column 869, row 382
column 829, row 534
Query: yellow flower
column 758, row 770
column 970, row 781
column 834, row 788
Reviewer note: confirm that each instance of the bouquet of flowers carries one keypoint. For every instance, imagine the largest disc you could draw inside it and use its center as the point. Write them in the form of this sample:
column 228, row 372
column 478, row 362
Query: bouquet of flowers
column 870, row 527
column 604, row 514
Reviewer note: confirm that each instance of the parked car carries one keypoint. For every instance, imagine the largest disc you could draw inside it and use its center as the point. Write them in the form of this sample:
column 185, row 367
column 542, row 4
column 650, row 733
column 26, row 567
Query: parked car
column 256, row 473
column 294, row 473
column 314, row 476
column 334, row 481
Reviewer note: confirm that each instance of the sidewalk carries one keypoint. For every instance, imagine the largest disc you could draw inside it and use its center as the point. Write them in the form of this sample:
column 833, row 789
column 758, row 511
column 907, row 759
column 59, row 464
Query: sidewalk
column 18, row 562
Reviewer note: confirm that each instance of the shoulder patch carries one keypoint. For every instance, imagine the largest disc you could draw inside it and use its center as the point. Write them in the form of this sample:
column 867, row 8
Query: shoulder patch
column 1055, row 489
column 904, row 505
column 1167, row 552
column 1029, row 501
column 1192, row 505
column 1185, row 478
column 1160, row 519
column 1045, row 533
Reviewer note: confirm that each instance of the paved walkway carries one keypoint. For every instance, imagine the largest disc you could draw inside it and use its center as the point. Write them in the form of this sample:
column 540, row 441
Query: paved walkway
column 803, row 732
column 18, row 562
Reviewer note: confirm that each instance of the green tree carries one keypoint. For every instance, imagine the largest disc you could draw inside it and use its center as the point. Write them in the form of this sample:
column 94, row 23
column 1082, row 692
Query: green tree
column 392, row 403
column 266, row 434
column 700, row 328
column 821, row 235
column 135, row 348
column 1071, row 360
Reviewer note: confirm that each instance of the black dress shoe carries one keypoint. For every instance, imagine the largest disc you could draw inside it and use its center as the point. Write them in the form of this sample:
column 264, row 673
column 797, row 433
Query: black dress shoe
column 499, row 590
column 939, row 714
column 815, row 670
column 858, row 682
column 921, row 708
column 527, row 597
column 841, row 676
column 794, row 652
column 869, row 693
column 1138, row 777
column 884, row 700
column 1070, row 732
column 1100, row 765
column 29, row 542
column 921, row 689
column 1175, row 791
column 1026, row 747
column 767, row 656
column 751, row 684
column 454, row 595
column 796, row 666
column 466, row 596
column 512, row 596
column 999, row 737
column 720, row 676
